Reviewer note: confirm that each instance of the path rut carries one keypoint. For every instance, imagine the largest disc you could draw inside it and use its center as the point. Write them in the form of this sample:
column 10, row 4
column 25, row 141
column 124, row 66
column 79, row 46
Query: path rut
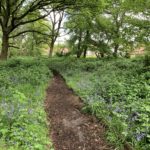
column 70, row 129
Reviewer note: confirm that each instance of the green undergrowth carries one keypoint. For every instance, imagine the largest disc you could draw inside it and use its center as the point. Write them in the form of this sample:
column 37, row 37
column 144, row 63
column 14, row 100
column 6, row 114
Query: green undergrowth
column 22, row 92
column 116, row 91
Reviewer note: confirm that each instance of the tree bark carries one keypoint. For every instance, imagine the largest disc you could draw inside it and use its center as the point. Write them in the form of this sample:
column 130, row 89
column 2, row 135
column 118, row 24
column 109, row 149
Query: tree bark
column 79, row 52
column 85, row 52
column 51, row 49
column 102, row 54
column 116, row 50
column 87, row 41
column 5, row 46
column 55, row 30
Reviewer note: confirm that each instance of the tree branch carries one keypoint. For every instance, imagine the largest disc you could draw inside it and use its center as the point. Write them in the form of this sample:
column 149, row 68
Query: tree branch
column 17, row 7
column 27, row 31
column 14, row 46
column 30, row 21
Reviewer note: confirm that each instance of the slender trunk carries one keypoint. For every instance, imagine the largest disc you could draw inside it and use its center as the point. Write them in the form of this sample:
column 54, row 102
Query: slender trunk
column 116, row 50
column 31, row 53
column 85, row 52
column 79, row 52
column 102, row 55
column 51, row 49
column 86, row 42
column 5, row 46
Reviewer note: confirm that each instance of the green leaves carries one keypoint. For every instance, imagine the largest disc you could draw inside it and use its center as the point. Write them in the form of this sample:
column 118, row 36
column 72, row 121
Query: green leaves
column 22, row 116
column 115, row 27
column 116, row 92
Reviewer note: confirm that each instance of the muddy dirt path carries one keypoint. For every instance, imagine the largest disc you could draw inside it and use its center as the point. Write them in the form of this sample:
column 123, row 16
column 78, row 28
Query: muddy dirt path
column 69, row 128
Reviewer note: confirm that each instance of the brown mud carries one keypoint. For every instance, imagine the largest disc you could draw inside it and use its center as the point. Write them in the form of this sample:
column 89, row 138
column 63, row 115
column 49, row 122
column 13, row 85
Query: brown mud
column 70, row 129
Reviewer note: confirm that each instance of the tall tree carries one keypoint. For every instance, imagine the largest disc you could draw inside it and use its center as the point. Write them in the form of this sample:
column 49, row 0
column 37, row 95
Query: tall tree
column 79, row 26
column 14, row 14
column 56, row 19
column 112, row 23
column 120, row 26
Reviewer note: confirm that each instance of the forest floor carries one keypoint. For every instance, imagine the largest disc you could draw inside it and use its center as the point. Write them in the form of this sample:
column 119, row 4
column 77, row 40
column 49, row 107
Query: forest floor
column 70, row 129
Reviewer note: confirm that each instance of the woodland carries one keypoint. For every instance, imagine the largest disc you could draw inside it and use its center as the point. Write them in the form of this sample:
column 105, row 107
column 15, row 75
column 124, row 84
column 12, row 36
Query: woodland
column 98, row 50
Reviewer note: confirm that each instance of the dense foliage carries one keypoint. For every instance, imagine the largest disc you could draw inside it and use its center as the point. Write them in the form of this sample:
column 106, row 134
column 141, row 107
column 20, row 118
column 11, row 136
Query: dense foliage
column 22, row 115
column 106, row 27
column 117, row 92
column 109, row 27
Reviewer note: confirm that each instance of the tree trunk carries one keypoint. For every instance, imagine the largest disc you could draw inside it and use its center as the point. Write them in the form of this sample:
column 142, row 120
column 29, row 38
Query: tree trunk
column 102, row 55
column 5, row 46
column 79, row 52
column 85, row 52
column 51, row 49
column 116, row 50
column 87, row 41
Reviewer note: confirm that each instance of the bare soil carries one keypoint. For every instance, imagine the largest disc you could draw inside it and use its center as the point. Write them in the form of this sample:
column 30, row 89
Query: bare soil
column 70, row 129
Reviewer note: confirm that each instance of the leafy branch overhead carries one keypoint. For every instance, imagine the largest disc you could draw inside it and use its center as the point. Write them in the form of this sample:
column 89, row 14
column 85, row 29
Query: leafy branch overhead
column 114, row 27
column 14, row 14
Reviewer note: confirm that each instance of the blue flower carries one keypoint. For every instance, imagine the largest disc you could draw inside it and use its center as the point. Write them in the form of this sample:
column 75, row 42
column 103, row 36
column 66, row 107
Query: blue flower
column 118, row 109
column 30, row 111
column 140, row 136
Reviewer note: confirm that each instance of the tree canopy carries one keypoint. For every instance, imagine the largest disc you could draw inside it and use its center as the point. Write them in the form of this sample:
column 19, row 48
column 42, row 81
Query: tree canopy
column 14, row 14
column 106, row 27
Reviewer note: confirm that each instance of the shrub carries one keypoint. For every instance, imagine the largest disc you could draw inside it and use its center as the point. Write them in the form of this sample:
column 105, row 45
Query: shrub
column 117, row 92
column 22, row 91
